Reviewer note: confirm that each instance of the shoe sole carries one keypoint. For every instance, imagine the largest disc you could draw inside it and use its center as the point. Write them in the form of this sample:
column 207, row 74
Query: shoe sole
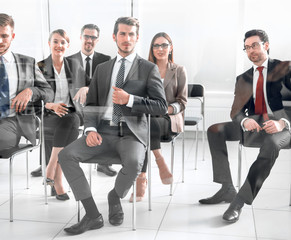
column 110, row 175
column 91, row 228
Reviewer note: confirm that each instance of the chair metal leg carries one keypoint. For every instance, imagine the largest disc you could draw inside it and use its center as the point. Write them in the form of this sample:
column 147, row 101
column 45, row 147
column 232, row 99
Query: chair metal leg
column 196, row 150
column 239, row 165
column 172, row 164
column 149, row 165
column 90, row 175
column 11, row 187
column 183, row 156
column 134, row 207
column 203, row 140
column 78, row 211
column 290, row 196
column 27, row 178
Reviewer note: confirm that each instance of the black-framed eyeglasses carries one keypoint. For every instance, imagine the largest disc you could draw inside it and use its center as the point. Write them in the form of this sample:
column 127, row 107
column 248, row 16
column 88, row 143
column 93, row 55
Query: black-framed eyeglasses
column 93, row 38
column 163, row 46
column 254, row 46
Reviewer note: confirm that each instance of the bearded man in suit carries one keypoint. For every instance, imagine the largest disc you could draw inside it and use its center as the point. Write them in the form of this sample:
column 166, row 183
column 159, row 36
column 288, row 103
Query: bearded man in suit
column 257, row 114
column 122, row 91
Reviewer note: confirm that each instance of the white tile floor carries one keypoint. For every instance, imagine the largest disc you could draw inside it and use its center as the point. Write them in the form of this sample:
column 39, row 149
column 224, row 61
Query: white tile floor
column 176, row 217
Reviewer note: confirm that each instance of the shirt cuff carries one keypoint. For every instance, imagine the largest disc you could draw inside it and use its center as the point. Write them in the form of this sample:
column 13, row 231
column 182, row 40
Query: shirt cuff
column 130, row 101
column 89, row 129
column 177, row 108
column 242, row 124
column 287, row 123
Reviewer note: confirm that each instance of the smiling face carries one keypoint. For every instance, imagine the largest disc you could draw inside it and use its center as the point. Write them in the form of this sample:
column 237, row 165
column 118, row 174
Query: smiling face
column 161, row 49
column 126, row 39
column 89, row 40
column 6, row 37
column 258, row 53
column 58, row 45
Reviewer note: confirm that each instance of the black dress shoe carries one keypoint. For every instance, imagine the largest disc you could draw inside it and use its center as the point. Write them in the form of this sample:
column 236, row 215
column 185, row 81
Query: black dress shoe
column 85, row 224
column 232, row 214
column 53, row 191
column 221, row 196
column 62, row 197
column 37, row 172
column 106, row 169
column 116, row 214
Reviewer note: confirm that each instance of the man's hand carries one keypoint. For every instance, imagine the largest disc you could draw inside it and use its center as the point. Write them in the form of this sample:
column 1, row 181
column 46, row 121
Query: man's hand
column 119, row 96
column 81, row 95
column 21, row 100
column 93, row 139
column 251, row 125
column 59, row 108
column 273, row 126
column 170, row 110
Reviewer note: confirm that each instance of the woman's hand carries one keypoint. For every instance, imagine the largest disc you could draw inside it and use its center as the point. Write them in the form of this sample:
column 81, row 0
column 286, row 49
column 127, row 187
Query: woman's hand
column 81, row 95
column 59, row 108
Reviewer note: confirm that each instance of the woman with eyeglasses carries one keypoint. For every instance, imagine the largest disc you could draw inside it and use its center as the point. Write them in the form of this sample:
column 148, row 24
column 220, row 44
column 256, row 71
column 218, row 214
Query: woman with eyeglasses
column 62, row 116
column 174, row 79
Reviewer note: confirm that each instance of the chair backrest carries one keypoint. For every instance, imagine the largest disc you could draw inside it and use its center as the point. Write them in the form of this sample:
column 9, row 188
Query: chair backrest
column 195, row 90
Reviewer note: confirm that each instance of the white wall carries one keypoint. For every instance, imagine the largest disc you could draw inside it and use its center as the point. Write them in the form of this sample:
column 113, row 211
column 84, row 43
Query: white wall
column 207, row 34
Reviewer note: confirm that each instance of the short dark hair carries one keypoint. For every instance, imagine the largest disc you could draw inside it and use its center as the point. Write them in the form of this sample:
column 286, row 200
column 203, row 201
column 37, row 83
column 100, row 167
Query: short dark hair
column 152, row 58
column 6, row 20
column 128, row 21
column 60, row 32
column 90, row 26
column 257, row 32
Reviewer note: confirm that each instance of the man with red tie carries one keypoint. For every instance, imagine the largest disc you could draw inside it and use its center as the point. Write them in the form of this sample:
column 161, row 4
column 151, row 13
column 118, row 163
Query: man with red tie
column 257, row 112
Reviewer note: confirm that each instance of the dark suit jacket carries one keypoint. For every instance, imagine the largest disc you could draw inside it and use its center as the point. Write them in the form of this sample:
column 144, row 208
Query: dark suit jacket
column 97, row 59
column 29, row 76
column 243, row 104
column 143, row 81
column 75, row 75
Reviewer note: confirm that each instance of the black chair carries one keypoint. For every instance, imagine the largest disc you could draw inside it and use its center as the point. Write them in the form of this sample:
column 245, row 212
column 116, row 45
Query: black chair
column 286, row 96
column 195, row 92
column 12, row 152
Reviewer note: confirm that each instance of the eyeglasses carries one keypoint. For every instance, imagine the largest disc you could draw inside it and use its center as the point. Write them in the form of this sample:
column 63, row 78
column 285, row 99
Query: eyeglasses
column 163, row 46
column 93, row 38
column 254, row 46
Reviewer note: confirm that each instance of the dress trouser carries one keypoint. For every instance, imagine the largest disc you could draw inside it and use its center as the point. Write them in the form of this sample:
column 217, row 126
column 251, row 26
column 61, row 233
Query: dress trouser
column 125, row 150
column 10, row 133
column 271, row 144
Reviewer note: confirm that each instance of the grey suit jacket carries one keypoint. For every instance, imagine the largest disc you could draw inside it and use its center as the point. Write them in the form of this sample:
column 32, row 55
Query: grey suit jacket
column 143, row 81
column 176, row 90
column 29, row 76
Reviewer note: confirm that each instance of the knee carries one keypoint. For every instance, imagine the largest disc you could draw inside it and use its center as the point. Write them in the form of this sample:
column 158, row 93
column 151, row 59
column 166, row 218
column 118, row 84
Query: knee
column 134, row 165
column 63, row 156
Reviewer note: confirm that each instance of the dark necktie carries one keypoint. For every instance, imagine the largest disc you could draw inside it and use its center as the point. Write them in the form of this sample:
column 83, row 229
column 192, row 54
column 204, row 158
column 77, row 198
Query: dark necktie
column 260, row 104
column 4, row 90
column 88, row 66
column 116, row 116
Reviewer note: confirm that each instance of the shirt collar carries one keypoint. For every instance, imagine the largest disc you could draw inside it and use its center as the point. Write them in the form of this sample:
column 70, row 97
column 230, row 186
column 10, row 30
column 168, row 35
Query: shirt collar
column 85, row 56
column 265, row 64
column 129, row 58
column 8, row 57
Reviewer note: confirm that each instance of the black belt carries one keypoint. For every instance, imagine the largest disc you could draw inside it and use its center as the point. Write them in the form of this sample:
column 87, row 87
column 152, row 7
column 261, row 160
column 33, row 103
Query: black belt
column 120, row 126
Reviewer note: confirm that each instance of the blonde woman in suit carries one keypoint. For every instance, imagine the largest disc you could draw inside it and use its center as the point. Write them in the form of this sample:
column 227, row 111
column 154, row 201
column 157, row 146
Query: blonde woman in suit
column 174, row 79
column 64, row 114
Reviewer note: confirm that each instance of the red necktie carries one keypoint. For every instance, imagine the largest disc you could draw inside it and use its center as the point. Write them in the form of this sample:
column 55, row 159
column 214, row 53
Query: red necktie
column 260, row 105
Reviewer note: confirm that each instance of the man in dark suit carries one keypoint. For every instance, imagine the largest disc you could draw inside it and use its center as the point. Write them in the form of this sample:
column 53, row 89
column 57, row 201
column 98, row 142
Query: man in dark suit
column 257, row 113
column 121, row 92
column 21, row 84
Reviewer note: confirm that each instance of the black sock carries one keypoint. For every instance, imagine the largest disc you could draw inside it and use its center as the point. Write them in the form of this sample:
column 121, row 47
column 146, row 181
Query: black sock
column 226, row 186
column 113, row 198
column 238, row 201
column 90, row 208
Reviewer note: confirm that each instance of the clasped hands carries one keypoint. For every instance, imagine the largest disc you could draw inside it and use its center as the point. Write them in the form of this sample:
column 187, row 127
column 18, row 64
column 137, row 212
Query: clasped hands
column 270, row 126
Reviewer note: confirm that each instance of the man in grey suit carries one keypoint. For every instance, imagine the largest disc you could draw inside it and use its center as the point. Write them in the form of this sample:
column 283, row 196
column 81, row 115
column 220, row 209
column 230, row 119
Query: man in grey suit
column 21, row 84
column 115, row 125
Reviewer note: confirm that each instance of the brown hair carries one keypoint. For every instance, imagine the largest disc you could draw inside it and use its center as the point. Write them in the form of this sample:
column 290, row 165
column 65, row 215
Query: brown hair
column 127, row 21
column 151, row 53
column 6, row 20
column 60, row 32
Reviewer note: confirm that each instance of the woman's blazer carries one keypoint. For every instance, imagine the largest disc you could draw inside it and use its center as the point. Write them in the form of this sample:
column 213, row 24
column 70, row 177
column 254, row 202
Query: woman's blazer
column 176, row 90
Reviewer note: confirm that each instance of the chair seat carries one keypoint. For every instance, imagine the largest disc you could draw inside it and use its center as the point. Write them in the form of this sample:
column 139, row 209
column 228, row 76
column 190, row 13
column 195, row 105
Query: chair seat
column 192, row 120
column 7, row 153
column 169, row 138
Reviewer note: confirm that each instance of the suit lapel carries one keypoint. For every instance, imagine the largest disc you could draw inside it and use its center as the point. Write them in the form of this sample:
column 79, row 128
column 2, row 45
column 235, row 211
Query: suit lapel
column 134, row 68
column 48, row 72
column 104, row 86
column 171, row 70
